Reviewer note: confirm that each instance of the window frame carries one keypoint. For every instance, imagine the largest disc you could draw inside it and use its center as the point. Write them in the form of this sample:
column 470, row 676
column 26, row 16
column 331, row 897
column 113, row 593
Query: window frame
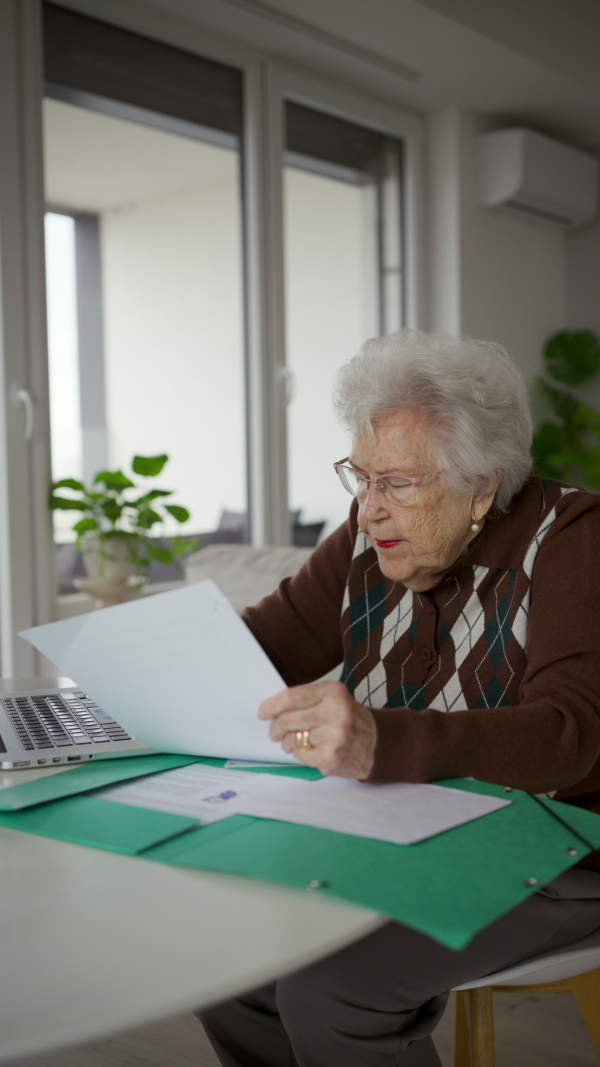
column 268, row 373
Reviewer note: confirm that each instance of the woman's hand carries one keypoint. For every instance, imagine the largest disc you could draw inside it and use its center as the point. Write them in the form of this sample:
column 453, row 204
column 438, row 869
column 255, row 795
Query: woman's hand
column 341, row 732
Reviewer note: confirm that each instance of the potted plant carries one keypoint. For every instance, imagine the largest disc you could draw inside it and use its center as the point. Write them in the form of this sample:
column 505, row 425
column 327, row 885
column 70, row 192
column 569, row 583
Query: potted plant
column 113, row 533
column 566, row 444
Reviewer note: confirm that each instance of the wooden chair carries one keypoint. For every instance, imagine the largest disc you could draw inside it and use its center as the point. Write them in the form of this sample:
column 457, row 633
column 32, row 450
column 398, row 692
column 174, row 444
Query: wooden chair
column 575, row 970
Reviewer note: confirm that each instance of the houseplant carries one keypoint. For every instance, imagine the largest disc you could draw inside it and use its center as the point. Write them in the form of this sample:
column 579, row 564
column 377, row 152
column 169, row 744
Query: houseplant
column 113, row 533
column 566, row 443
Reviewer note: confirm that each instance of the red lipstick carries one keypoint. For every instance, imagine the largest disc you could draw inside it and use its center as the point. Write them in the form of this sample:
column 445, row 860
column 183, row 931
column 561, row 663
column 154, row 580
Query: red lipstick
column 387, row 544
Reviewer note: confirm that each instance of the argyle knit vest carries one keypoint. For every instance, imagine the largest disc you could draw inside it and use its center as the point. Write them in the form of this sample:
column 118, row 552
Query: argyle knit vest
column 479, row 651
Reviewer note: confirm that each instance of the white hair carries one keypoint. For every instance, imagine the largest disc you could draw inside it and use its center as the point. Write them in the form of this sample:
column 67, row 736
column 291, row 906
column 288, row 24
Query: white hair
column 471, row 393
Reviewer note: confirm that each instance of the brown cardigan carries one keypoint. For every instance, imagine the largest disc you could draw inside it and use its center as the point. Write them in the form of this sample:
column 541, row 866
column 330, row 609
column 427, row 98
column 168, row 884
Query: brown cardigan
column 506, row 648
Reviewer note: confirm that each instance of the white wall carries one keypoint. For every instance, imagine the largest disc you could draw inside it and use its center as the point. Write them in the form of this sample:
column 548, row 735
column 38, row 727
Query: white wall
column 583, row 277
column 174, row 344
column 583, row 288
column 492, row 275
column 331, row 262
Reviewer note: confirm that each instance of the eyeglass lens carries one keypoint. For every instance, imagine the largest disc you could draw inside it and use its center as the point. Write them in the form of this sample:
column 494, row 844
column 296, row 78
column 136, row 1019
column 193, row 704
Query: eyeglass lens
column 393, row 489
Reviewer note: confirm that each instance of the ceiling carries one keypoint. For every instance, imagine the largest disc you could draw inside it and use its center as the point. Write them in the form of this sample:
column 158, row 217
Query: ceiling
column 561, row 36
column 94, row 162
column 527, row 62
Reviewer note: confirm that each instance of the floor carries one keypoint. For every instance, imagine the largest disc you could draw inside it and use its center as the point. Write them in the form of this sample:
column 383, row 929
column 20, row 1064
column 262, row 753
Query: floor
column 531, row 1031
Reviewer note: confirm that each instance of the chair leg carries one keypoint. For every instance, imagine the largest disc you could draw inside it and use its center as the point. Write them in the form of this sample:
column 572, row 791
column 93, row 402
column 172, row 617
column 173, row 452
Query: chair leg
column 482, row 1027
column 462, row 1038
column 586, row 990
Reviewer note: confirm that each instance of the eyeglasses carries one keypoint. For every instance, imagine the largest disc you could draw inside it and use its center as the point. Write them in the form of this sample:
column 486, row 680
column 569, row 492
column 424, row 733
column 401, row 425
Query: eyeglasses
column 397, row 488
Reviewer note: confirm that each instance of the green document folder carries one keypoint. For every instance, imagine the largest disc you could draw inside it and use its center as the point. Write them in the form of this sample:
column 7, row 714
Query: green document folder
column 87, row 821
column 449, row 887
column 85, row 777
column 56, row 806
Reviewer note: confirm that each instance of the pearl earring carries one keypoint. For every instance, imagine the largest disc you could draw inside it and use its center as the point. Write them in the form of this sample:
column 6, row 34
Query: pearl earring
column 475, row 527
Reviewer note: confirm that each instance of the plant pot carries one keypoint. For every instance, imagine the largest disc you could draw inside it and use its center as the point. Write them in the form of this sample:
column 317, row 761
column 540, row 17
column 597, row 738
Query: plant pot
column 106, row 594
column 113, row 576
column 108, row 559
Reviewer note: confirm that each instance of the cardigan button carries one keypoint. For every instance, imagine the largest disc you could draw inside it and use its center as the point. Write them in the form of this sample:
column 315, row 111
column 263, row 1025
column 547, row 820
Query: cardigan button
column 426, row 654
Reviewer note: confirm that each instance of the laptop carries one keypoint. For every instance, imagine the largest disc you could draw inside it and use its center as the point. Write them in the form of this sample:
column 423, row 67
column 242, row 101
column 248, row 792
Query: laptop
column 48, row 727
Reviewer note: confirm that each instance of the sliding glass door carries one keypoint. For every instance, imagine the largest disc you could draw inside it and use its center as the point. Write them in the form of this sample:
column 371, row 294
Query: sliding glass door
column 344, row 283
column 144, row 269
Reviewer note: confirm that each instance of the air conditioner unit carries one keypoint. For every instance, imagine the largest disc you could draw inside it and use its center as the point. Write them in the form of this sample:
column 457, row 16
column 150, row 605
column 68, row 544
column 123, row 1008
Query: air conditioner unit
column 536, row 176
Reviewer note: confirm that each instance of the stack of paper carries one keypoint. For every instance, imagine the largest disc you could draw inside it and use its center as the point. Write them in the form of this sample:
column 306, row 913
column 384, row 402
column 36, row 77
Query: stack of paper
column 401, row 813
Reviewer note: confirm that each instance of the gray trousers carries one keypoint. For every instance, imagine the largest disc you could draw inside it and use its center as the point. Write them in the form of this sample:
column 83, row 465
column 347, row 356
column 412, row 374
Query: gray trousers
column 376, row 1002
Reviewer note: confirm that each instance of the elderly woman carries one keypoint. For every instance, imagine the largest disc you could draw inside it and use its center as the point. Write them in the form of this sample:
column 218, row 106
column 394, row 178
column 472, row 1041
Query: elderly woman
column 463, row 596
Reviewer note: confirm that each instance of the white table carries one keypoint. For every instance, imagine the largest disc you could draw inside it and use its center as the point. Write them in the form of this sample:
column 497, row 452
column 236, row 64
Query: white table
column 92, row 942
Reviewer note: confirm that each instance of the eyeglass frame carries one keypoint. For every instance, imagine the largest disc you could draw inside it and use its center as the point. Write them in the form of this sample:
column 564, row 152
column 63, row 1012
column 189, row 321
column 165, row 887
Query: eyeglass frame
column 382, row 481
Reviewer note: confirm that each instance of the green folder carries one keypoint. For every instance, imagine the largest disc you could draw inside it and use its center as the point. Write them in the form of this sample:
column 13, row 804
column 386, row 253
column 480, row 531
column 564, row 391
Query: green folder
column 449, row 887
column 58, row 805
column 85, row 777
column 87, row 821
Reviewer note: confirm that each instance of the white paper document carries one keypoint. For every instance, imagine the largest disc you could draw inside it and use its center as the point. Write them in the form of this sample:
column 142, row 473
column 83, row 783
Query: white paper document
column 179, row 670
column 241, row 763
column 402, row 813
column 204, row 793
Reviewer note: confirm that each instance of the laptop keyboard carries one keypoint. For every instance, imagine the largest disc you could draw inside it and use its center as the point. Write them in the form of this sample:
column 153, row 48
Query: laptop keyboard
column 52, row 721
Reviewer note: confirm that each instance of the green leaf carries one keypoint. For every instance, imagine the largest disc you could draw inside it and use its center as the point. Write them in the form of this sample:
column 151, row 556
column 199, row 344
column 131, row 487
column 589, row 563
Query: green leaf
column 563, row 404
column 566, row 445
column 112, row 509
column 590, row 419
column 147, row 518
column 589, row 463
column 178, row 513
column 154, row 494
column 161, row 553
column 553, row 451
column 62, row 503
column 183, row 546
column 126, row 536
column 85, row 526
column 148, row 466
column 113, row 480
column 573, row 356
column 69, row 483
column 578, row 419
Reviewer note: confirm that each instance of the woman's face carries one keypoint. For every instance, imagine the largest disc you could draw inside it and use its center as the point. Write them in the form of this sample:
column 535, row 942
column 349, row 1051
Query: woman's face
column 415, row 545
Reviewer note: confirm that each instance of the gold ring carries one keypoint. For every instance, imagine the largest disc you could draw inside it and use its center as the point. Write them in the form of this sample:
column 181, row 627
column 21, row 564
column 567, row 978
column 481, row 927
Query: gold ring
column 303, row 739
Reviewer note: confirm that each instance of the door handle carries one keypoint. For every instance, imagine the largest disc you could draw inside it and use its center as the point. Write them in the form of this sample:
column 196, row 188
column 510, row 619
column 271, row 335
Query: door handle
column 23, row 396
column 289, row 384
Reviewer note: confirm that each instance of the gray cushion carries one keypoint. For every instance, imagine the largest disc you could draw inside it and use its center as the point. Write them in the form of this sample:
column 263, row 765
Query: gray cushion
column 245, row 574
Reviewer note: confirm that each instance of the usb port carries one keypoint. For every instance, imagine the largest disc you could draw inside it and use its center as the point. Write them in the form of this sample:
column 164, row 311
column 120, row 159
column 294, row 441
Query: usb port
column 73, row 759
